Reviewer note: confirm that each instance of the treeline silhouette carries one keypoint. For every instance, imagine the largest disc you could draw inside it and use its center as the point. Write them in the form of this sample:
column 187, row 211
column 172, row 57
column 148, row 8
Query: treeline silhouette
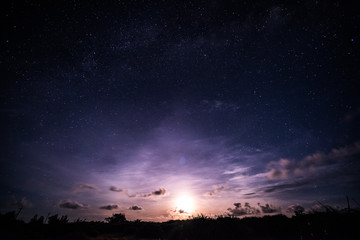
column 330, row 224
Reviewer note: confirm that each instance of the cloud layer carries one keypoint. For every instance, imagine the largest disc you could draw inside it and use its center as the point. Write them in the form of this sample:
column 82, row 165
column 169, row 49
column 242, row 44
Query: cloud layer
column 286, row 168
column 247, row 210
column 241, row 210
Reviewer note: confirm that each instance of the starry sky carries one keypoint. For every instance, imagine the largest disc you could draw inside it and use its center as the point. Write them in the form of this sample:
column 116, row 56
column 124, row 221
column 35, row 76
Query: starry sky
column 240, row 107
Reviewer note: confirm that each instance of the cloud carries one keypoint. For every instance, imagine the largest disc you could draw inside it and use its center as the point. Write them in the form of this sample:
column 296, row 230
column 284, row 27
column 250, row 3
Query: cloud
column 135, row 208
column 159, row 192
column 85, row 187
column 240, row 210
column 88, row 186
column 115, row 189
column 285, row 168
column 71, row 204
column 249, row 194
column 267, row 208
column 237, row 170
column 109, row 207
column 285, row 186
column 178, row 211
column 340, row 153
column 276, row 173
column 22, row 203
column 216, row 189
column 280, row 169
column 312, row 161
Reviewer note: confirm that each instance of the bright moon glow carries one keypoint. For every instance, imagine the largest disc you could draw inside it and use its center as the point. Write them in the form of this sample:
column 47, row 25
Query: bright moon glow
column 185, row 203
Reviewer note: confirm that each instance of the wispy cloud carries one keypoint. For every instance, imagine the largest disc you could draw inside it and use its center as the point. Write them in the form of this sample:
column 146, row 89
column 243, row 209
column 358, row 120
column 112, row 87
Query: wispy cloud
column 249, row 194
column 237, row 170
column 159, row 192
column 216, row 190
column 286, row 186
column 85, row 187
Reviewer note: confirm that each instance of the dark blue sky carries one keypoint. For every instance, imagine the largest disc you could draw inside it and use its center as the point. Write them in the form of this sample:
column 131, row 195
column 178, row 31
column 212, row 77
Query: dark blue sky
column 107, row 106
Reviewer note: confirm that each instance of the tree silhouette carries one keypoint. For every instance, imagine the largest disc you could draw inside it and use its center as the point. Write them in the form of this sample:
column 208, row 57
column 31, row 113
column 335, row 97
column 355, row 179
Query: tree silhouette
column 116, row 218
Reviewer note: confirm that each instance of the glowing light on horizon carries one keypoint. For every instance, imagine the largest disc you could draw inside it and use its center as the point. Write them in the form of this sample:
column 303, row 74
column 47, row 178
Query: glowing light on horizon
column 185, row 203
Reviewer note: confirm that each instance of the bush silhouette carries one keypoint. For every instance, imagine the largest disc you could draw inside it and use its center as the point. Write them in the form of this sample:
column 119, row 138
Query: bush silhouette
column 116, row 218
column 35, row 220
column 313, row 225
column 55, row 219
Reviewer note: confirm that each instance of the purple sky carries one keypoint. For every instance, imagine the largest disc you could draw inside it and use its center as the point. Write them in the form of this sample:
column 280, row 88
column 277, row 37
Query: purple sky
column 162, row 110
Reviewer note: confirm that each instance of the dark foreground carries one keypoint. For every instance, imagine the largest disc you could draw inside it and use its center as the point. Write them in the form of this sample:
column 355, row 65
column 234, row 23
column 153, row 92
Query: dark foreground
column 318, row 226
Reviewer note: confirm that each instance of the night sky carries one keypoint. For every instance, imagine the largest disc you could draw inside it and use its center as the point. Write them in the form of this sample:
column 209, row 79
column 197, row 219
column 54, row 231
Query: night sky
column 163, row 110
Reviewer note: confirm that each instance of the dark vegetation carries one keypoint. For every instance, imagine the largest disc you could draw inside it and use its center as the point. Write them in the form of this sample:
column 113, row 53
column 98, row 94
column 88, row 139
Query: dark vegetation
column 315, row 225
